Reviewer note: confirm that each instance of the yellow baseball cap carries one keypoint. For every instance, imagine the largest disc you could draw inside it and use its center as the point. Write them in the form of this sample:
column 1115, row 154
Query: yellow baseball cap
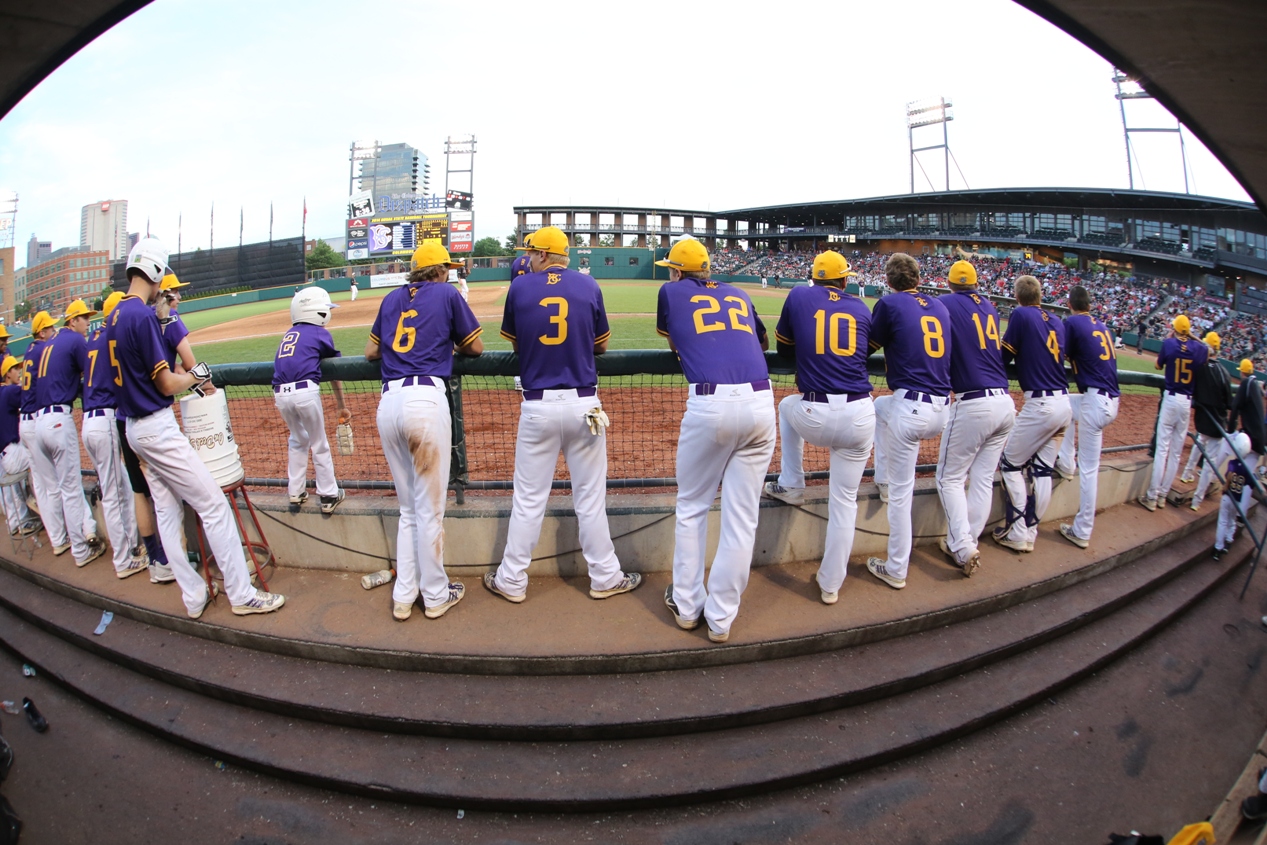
column 962, row 274
column 9, row 363
column 547, row 239
column 688, row 254
column 111, row 302
column 78, row 308
column 41, row 321
column 831, row 265
column 1247, row 366
column 1213, row 340
column 1181, row 324
column 431, row 253
column 170, row 282
column 4, row 333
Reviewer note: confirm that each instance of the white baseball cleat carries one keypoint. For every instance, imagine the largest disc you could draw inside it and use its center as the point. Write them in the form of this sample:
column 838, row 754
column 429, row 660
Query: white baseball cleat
column 161, row 573
column 1187, row 479
column 883, row 487
column 682, row 622
column 717, row 636
column 1148, row 504
column 401, row 610
column 876, row 567
column 456, row 590
column 790, row 495
column 261, row 602
column 95, row 550
column 490, row 584
column 133, row 567
column 828, row 598
column 211, row 595
column 1066, row 531
column 1000, row 536
column 627, row 584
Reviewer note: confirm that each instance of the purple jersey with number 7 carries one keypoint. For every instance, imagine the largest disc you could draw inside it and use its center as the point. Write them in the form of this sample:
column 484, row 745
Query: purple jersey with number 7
column 715, row 330
column 914, row 331
column 555, row 317
column 1089, row 348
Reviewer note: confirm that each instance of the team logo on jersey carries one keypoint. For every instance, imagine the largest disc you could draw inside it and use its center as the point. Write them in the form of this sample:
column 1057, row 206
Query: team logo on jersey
column 553, row 278
column 923, row 303
column 710, row 284
column 976, row 299
column 833, row 296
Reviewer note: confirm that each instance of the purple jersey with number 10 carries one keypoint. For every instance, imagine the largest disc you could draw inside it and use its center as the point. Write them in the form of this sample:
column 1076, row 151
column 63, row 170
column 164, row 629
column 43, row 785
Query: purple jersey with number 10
column 715, row 330
column 300, row 353
column 417, row 328
column 1037, row 341
column 914, row 330
column 976, row 357
column 1179, row 360
column 555, row 317
column 830, row 330
column 1089, row 348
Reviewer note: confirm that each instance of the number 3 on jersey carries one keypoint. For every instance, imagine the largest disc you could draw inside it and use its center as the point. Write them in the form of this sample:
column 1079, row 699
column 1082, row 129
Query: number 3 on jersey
column 559, row 320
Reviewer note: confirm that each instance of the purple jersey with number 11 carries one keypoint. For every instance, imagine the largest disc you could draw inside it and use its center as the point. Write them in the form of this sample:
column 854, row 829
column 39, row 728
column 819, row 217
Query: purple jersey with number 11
column 830, row 330
column 1089, row 348
column 61, row 369
column 976, row 358
column 555, row 317
column 1179, row 360
column 715, row 330
column 914, row 330
column 1037, row 341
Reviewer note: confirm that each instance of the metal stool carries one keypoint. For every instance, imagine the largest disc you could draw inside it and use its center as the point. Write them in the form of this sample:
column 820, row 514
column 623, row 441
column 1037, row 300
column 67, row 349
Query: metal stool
column 258, row 550
column 17, row 484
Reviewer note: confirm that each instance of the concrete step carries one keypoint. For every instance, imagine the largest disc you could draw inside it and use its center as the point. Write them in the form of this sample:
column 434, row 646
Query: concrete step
column 607, row 706
column 616, row 774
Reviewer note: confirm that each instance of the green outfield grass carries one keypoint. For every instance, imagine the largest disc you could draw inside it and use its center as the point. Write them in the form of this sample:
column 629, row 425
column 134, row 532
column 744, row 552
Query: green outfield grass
column 215, row 316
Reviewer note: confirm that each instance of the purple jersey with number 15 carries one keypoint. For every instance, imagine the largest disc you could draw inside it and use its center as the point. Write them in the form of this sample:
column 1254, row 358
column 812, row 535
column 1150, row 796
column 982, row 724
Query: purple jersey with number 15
column 1089, row 348
column 417, row 328
column 715, row 330
column 914, row 330
column 1179, row 360
column 555, row 317
column 300, row 353
column 1037, row 341
column 830, row 330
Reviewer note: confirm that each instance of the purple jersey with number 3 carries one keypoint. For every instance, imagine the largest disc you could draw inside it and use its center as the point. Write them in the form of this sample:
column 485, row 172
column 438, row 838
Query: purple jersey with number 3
column 976, row 356
column 914, row 330
column 830, row 330
column 138, row 352
column 300, row 353
column 1089, row 348
column 1179, row 360
column 555, row 317
column 417, row 328
column 1037, row 341
column 715, row 330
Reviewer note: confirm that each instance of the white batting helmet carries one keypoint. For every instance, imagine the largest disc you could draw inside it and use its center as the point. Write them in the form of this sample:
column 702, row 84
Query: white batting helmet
column 311, row 305
column 1240, row 440
column 150, row 257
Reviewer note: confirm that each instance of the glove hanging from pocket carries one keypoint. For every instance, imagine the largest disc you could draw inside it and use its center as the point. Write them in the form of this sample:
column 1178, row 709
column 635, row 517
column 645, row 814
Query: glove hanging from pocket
column 598, row 421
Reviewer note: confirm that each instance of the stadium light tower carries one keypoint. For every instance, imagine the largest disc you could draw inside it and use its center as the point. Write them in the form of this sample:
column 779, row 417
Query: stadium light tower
column 1134, row 91
column 8, row 217
column 922, row 113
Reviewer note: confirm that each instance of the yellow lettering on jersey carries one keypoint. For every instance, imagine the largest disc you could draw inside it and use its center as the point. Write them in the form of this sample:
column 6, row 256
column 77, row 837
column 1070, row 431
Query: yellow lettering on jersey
column 833, row 296
column 92, row 364
column 553, row 278
column 405, row 335
column 1183, row 371
column 990, row 331
column 934, row 338
column 114, row 364
column 738, row 310
column 710, row 284
column 1106, row 345
column 831, row 328
column 560, row 320
column 1053, row 345
column 287, row 348
column 711, row 306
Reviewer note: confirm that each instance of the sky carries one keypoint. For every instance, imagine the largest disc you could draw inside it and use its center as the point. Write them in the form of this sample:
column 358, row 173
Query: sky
column 701, row 106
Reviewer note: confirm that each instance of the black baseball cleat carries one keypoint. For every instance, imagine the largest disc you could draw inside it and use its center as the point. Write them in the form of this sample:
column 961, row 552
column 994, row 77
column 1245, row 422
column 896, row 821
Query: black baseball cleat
column 1254, row 808
column 329, row 503
column 33, row 716
column 1218, row 553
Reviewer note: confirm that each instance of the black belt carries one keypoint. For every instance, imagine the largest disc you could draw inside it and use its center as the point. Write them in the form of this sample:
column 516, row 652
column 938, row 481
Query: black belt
column 981, row 394
column 812, row 396
column 414, row 381
column 97, row 412
column 538, row 395
column 1177, row 393
column 704, row 389
column 298, row 385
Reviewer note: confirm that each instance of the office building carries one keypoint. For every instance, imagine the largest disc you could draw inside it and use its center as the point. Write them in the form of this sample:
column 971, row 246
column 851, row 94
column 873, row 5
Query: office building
column 104, row 226
column 37, row 250
column 389, row 169
column 67, row 274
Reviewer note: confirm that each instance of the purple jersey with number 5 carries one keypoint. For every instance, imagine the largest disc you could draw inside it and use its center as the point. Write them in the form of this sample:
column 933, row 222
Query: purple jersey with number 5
column 914, row 331
column 1037, row 341
column 976, row 356
column 417, row 328
column 300, row 352
column 830, row 330
column 554, row 318
column 715, row 330
column 1089, row 348
column 1179, row 360
column 137, row 352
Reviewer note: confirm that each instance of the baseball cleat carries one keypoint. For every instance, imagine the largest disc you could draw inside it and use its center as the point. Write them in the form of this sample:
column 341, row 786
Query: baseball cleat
column 972, row 563
column 31, row 526
column 1161, row 502
column 329, row 503
column 1218, row 553
column 133, row 567
column 790, row 495
column 300, row 499
column 1066, row 474
column 211, row 596
column 1066, row 531
column 1195, row 506
column 401, row 610
column 627, row 584
column 883, row 487
column 876, row 567
column 490, row 584
column 456, row 590
column 161, row 573
column 61, row 548
column 32, row 503
column 1148, row 504
column 828, row 598
column 717, row 636
column 91, row 538
column 95, row 550
column 261, row 602
column 1000, row 536
column 1187, row 479
column 682, row 622
column 139, row 553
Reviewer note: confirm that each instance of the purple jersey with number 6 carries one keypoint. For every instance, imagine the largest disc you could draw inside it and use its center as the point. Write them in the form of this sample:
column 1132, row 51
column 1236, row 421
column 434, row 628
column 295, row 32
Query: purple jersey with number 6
column 30, row 375
column 417, row 328
column 300, row 353
column 1089, row 348
column 830, row 330
column 555, row 317
column 976, row 356
column 715, row 330
column 1037, row 341
column 137, row 351
column 1179, row 360
column 914, row 331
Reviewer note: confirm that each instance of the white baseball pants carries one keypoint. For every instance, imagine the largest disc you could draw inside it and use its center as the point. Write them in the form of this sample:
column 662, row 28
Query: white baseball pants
column 900, row 424
column 547, row 426
column 175, row 473
column 1041, row 420
column 1220, row 453
column 301, row 410
column 727, row 438
column 1211, row 444
column 1226, row 531
column 417, row 435
column 1172, row 428
column 848, row 429
column 55, row 459
column 976, row 432
column 118, row 505
column 1092, row 412
column 15, row 459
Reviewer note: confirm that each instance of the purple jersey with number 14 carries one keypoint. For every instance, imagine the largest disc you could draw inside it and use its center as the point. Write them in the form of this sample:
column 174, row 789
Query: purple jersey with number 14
column 715, row 330
column 417, row 328
column 914, row 330
column 1179, row 360
column 555, row 317
column 300, row 353
column 976, row 357
column 830, row 330
column 1037, row 341
column 1089, row 348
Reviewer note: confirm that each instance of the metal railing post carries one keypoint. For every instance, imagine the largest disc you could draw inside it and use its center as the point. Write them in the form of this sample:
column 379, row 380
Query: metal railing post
column 458, row 476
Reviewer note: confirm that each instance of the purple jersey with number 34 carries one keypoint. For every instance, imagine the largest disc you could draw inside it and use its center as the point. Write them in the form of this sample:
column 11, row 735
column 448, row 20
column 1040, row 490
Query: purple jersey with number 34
column 1089, row 348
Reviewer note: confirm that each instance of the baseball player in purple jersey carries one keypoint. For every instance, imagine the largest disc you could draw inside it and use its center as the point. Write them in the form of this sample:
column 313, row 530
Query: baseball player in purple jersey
column 1036, row 340
column 60, row 366
column 1179, row 358
column 1089, row 348
column 827, row 330
column 519, row 267
column 979, row 421
column 14, row 458
column 175, row 333
column 914, row 331
column 297, row 394
column 144, row 385
column 555, row 320
column 1240, row 458
column 727, row 435
column 417, row 330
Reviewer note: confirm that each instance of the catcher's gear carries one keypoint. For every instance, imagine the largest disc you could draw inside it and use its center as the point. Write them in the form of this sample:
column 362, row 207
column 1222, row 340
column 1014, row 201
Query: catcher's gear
column 311, row 305
column 598, row 421
column 344, row 436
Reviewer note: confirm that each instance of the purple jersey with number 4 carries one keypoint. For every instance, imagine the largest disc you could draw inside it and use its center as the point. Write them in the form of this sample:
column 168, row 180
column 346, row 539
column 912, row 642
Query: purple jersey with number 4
column 1179, row 360
column 1089, row 348
column 99, row 377
column 830, row 330
column 134, row 342
column 555, row 317
column 914, row 330
column 715, row 330
column 1037, row 341
column 300, row 353
column 417, row 328
column 61, row 369
column 976, row 356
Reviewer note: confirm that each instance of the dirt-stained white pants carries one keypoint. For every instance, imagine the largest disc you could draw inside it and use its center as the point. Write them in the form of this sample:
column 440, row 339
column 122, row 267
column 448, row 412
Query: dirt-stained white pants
column 901, row 422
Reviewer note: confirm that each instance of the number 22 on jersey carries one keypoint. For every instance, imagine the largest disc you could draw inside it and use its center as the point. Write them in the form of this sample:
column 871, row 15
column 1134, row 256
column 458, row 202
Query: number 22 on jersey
column 738, row 313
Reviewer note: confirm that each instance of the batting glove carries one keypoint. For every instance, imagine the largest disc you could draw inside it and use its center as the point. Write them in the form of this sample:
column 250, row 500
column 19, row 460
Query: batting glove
column 598, row 421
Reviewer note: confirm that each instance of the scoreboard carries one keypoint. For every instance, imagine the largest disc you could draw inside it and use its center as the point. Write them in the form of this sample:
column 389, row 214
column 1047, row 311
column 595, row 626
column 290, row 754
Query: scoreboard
column 394, row 235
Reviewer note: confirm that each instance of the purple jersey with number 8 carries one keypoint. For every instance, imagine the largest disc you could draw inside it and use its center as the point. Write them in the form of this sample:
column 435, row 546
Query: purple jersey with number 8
column 914, row 330
column 555, row 317
column 715, row 330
